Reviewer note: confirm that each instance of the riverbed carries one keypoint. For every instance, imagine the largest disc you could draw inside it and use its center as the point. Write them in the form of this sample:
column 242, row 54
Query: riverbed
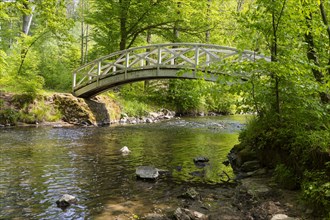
column 39, row 164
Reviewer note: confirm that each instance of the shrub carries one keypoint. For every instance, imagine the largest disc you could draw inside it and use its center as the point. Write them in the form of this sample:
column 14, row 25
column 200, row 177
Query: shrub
column 135, row 108
column 8, row 116
column 285, row 177
column 39, row 111
column 316, row 190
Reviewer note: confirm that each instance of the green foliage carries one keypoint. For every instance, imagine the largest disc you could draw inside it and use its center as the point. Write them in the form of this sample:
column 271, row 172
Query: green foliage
column 135, row 108
column 186, row 96
column 38, row 112
column 285, row 177
column 193, row 96
column 133, row 102
column 21, row 100
column 27, row 80
column 57, row 63
column 316, row 190
column 8, row 116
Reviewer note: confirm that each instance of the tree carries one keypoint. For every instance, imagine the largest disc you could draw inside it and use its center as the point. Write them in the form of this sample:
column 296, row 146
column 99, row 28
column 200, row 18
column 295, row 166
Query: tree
column 314, row 52
column 120, row 24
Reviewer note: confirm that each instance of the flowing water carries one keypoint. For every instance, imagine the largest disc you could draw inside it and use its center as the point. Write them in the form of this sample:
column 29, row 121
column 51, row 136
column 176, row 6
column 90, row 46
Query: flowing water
column 39, row 164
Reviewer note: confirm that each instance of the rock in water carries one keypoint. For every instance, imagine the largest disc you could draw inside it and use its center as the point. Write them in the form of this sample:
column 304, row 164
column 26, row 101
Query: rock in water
column 186, row 214
column 201, row 160
column 282, row 217
column 147, row 172
column 125, row 150
column 191, row 193
column 66, row 200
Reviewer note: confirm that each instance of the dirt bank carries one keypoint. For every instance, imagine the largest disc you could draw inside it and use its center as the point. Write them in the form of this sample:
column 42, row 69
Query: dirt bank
column 57, row 108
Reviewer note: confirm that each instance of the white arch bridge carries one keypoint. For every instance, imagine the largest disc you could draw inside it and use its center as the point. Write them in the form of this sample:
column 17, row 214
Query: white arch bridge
column 160, row 61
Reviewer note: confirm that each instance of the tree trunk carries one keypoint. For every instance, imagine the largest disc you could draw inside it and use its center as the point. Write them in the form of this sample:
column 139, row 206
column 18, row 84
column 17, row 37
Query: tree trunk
column 27, row 18
column 86, row 43
column 326, row 23
column 124, row 6
column 274, row 59
column 82, row 61
column 176, row 31
column 208, row 32
column 84, row 33
column 312, row 57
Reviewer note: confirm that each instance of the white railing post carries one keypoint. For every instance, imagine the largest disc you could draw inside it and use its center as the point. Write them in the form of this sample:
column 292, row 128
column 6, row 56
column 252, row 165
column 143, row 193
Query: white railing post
column 207, row 59
column 159, row 58
column 74, row 81
column 98, row 71
column 99, row 68
column 126, row 64
column 196, row 56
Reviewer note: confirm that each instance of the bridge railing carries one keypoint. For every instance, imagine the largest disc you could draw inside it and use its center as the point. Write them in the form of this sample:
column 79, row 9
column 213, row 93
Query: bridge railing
column 160, row 56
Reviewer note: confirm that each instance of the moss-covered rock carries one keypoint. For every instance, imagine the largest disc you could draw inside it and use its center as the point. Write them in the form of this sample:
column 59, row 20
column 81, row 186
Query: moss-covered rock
column 74, row 110
column 97, row 111
column 23, row 108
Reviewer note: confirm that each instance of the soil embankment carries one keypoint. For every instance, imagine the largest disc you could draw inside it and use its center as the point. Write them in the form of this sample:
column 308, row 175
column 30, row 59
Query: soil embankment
column 58, row 108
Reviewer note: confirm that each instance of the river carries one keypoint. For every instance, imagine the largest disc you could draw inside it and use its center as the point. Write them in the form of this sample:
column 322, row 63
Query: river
column 39, row 164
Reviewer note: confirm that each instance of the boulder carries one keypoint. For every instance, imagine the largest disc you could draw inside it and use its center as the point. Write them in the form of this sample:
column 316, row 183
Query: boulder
column 256, row 187
column 125, row 150
column 149, row 120
column 154, row 115
column 259, row 172
column 249, row 166
column 240, row 154
column 186, row 214
column 147, row 172
column 66, row 200
column 190, row 193
column 201, row 160
column 281, row 217
column 155, row 216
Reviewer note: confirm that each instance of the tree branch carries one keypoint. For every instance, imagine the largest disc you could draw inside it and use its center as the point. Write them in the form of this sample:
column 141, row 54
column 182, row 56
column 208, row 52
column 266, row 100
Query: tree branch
column 143, row 16
column 281, row 14
column 135, row 34
column 25, row 51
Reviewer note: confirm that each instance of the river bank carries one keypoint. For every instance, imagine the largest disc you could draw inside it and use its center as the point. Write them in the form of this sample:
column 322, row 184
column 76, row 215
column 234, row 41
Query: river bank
column 63, row 109
column 247, row 199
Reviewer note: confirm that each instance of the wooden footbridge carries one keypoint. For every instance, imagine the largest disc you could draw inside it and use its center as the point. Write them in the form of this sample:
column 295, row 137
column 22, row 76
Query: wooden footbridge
column 161, row 61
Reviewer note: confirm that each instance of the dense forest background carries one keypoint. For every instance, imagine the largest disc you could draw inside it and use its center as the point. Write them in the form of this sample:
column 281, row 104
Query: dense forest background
column 42, row 42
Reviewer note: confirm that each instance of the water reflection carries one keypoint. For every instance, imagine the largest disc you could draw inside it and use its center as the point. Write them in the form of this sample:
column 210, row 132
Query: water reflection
column 38, row 165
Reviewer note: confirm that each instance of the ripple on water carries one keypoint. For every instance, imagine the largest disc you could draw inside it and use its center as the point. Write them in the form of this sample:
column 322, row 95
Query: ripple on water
column 41, row 164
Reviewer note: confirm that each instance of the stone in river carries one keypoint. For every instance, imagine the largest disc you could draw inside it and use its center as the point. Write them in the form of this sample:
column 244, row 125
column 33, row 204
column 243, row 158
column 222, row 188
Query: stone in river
column 66, row 200
column 125, row 150
column 186, row 214
column 201, row 160
column 147, row 172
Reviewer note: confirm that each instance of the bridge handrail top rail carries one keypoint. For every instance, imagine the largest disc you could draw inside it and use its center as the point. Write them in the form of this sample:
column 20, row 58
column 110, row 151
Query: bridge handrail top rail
column 167, row 45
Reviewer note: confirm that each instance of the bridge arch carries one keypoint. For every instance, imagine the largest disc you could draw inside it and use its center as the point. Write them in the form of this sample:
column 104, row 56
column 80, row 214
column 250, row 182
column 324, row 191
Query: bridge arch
column 159, row 61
